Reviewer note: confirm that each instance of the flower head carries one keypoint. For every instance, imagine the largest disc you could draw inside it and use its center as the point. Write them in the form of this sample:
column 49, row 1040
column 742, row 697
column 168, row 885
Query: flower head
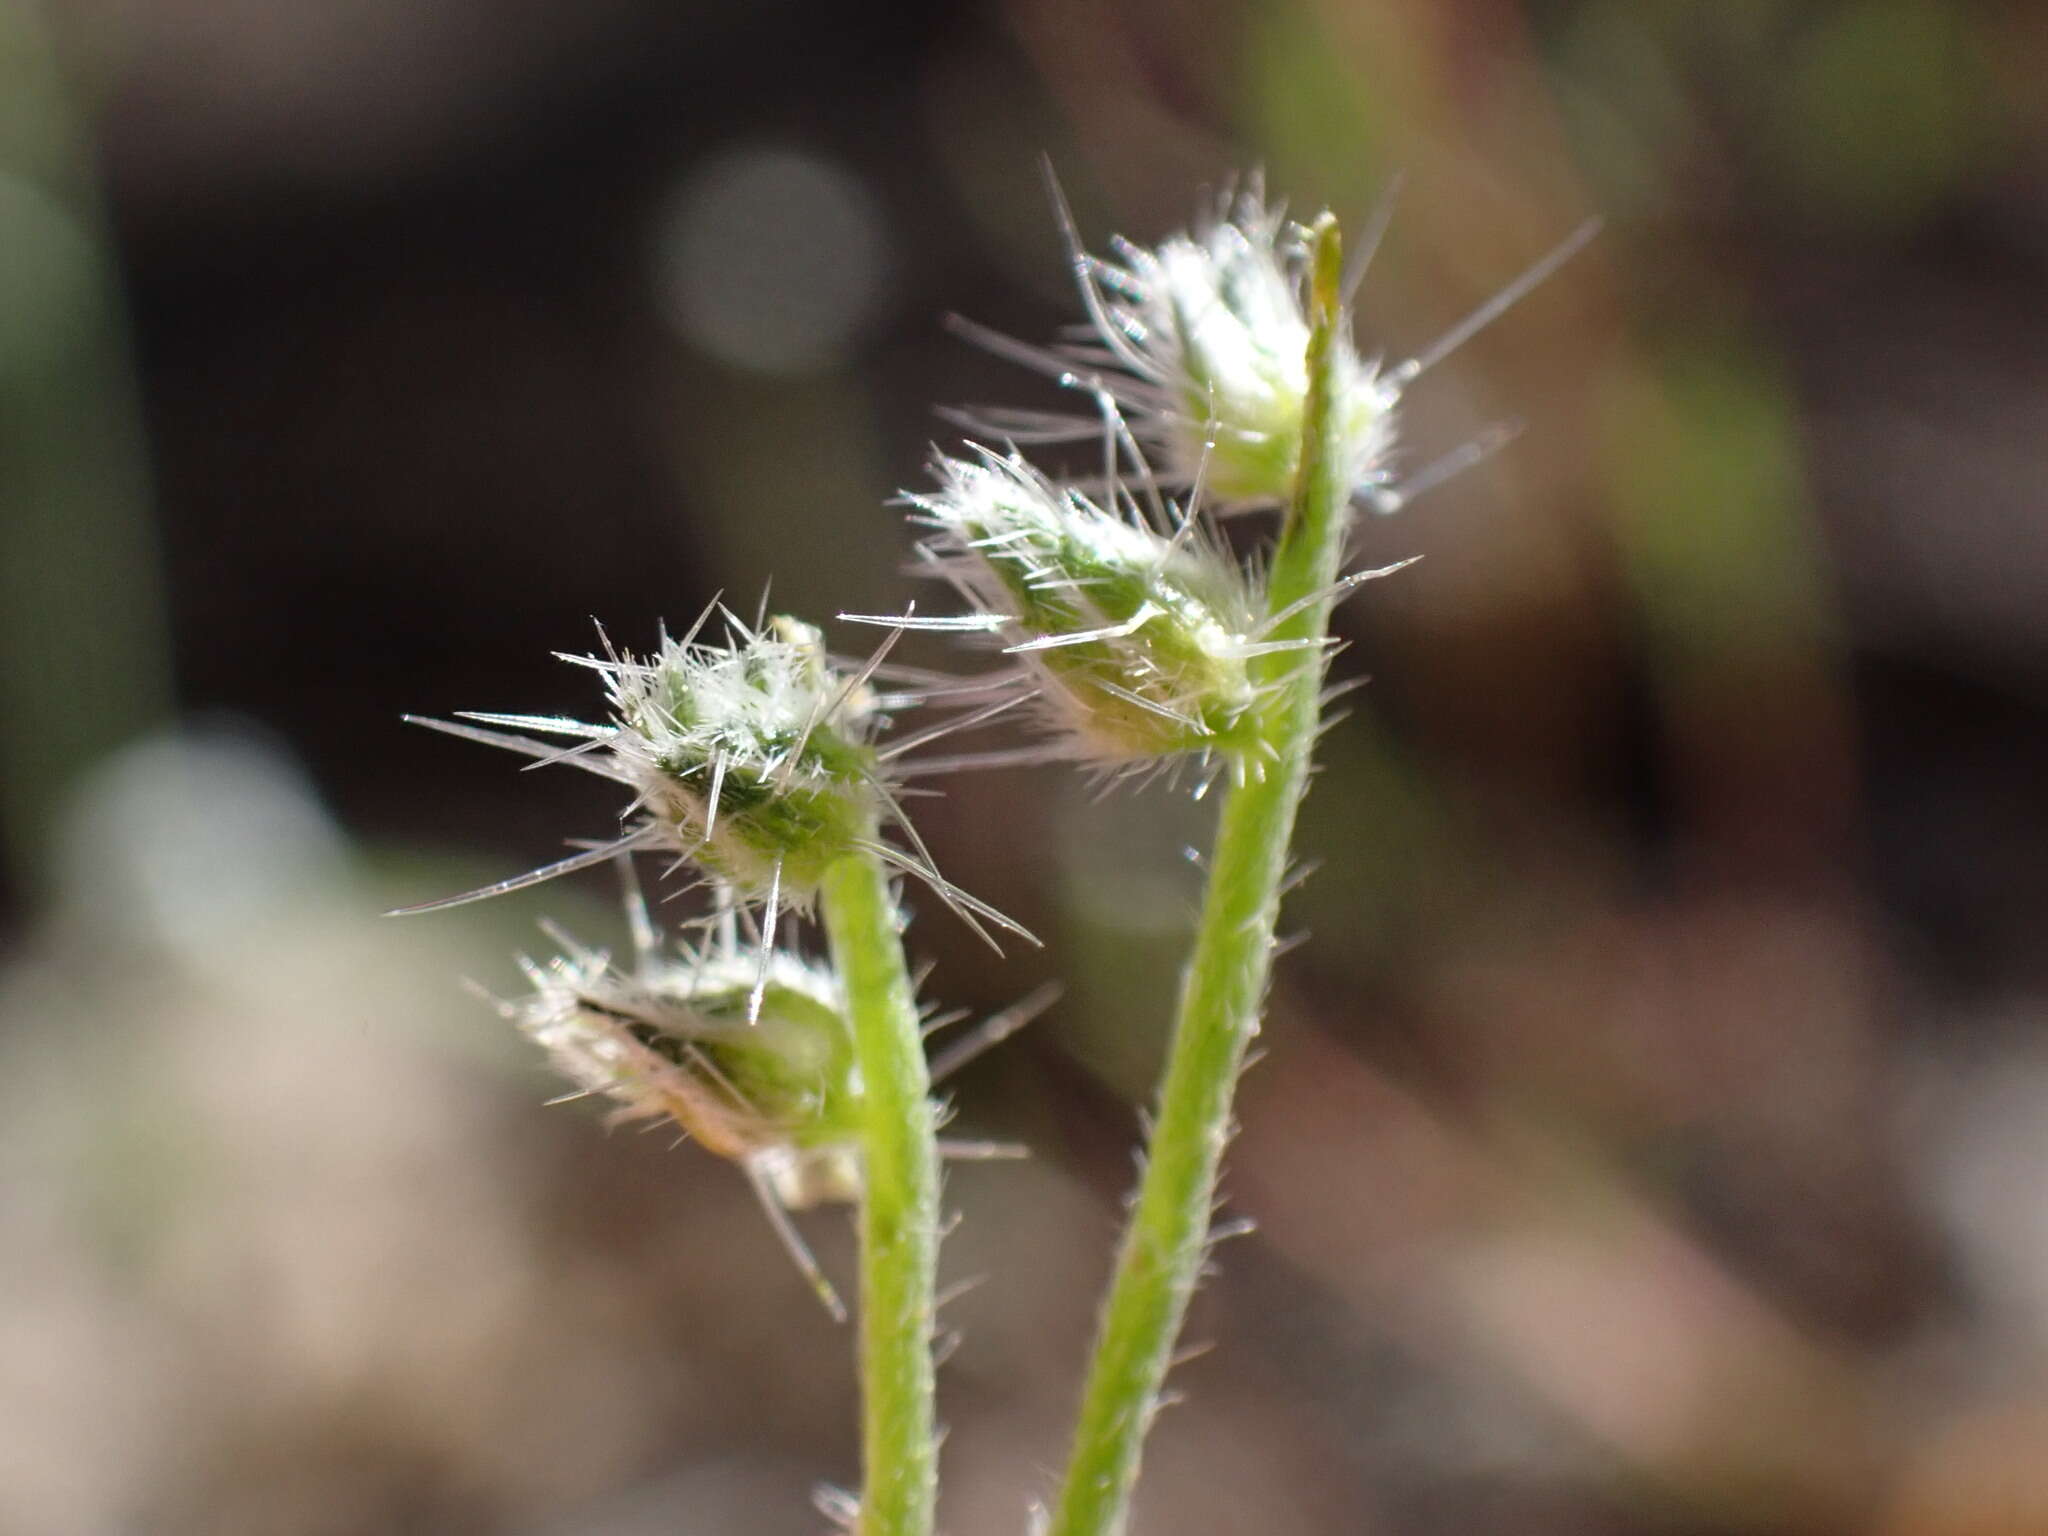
column 755, row 761
column 1211, row 329
column 779, row 1095
column 1202, row 342
column 672, row 1040
column 754, row 758
column 746, row 1049
column 1138, row 639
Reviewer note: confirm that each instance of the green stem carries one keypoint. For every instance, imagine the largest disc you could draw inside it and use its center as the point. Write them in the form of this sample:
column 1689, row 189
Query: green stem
column 1224, row 986
column 899, row 1221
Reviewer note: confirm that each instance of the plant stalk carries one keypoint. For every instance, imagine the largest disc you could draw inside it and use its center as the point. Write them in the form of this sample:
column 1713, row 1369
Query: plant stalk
column 899, row 1215
column 1224, row 986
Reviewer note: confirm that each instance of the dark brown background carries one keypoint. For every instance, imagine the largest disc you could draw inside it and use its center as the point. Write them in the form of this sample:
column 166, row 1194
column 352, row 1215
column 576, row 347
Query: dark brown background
column 1651, row 1133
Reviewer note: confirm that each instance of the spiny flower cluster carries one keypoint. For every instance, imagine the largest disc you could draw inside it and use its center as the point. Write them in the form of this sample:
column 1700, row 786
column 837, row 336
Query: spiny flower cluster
column 1137, row 636
column 755, row 762
column 748, row 1054
column 1210, row 342
column 756, row 759
column 672, row 1040
column 1202, row 343
column 745, row 1048
column 1136, row 631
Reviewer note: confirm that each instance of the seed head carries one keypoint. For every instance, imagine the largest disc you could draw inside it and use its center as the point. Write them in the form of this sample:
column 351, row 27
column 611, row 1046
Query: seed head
column 744, row 1047
column 779, row 1096
column 750, row 1055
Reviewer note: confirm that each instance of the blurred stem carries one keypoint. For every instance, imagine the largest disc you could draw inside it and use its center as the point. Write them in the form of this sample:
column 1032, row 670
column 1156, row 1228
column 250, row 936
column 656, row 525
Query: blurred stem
column 1225, row 982
column 899, row 1223
column 84, row 649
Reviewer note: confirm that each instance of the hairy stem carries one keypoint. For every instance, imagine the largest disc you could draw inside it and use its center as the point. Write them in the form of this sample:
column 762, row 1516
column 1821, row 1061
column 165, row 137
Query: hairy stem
column 899, row 1219
column 1225, row 983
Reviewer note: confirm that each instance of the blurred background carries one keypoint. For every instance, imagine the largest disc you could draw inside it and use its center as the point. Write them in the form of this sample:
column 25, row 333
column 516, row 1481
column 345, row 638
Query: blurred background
column 1652, row 1136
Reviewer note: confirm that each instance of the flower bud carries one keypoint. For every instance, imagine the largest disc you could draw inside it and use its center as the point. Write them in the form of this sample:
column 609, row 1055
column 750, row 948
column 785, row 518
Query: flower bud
column 753, row 759
column 1212, row 326
column 1202, row 344
column 1139, row 640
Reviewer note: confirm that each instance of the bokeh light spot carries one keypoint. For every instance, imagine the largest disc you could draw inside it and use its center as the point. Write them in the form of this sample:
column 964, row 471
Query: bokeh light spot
column 771, row 260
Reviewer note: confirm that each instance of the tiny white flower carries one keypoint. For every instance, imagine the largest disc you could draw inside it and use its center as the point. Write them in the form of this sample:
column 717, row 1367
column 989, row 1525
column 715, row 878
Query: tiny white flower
column 1211, row 328
column 1202, row 343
